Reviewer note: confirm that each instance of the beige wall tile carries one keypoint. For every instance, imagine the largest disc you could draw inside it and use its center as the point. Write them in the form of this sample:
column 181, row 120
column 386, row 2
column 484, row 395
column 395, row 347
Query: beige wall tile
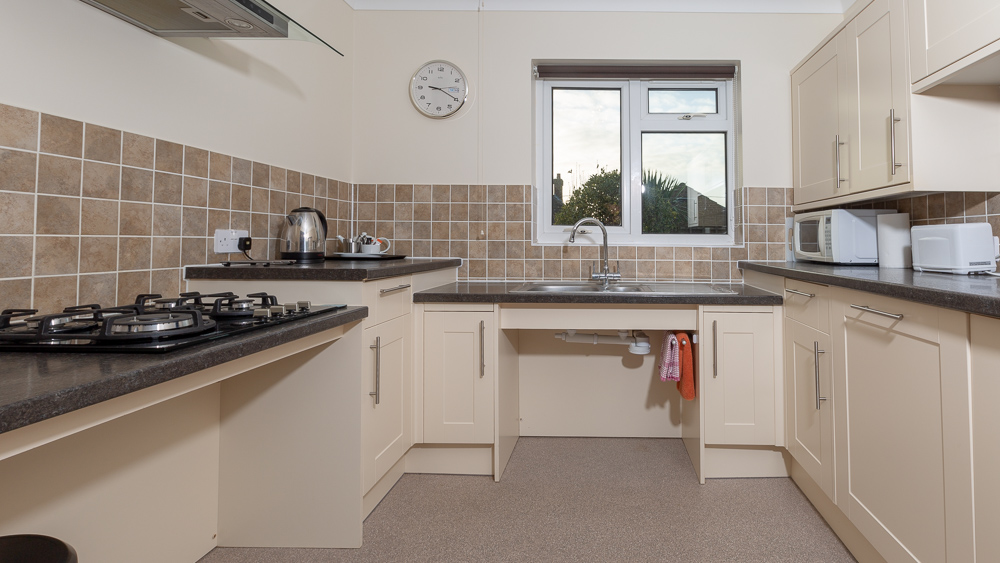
column 137, row 184
column 138, row 150
column 99, row 217
column 53, row 294
column 261, row 175
column 276, row 178
column 293, row 182
column 167, row 220
column 99, row 254
column 15, row 294
column 195, row 192
column 101, row 180
column 167, row 188
column 56, row 255
column 242, row 171
column 16, row 252
column 217, row 219
column 61, row 136
column 166, row 252
column 18, row 128
column 220, row 167
column 134, row 253
column 195, row 162
column 169, row 157
column 131, row 284
column 241, row 197
column 276, row 203
column 260, row 201
column 166, row 282
column 102, row 143
column 58, row 215
column 17, row 170
column 193, row 251
column 136, row 219
column 59, row 175
column 195, row 222
column 99, row 289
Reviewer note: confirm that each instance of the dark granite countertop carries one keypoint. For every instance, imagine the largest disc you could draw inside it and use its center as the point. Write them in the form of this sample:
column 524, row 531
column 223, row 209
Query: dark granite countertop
column 35, row 387
column 500, row 292
column 972, row 294
column 330, row 270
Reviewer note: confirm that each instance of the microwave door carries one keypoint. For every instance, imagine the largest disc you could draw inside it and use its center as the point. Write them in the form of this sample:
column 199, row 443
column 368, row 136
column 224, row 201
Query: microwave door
column 808, row 236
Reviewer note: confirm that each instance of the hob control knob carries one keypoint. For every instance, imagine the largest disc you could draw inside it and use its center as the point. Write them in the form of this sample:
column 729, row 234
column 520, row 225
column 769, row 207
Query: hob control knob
column 277, row 310
column 304, row 305
column 262, row 313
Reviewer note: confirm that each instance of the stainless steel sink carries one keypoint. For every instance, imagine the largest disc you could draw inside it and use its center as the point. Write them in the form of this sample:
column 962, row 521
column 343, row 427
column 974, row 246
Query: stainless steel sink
column 659, row 288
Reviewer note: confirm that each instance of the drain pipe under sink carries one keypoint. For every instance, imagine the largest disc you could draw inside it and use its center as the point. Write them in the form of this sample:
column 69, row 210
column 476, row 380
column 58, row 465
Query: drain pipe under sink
column 637, row 341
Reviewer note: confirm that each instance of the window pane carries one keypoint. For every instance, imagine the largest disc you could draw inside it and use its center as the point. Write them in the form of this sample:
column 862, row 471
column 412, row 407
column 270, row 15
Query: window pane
column 586, row 155
column 684, row 183
column 683, row 101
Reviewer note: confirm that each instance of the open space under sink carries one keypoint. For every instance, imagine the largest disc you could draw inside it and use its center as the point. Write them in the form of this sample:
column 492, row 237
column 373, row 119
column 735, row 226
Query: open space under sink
column 660, row 288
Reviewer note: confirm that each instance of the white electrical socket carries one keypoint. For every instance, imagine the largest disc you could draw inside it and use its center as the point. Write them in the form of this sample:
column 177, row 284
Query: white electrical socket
column 227, row 240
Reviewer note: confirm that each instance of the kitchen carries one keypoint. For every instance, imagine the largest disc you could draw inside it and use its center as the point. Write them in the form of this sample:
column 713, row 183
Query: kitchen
column 262, row 101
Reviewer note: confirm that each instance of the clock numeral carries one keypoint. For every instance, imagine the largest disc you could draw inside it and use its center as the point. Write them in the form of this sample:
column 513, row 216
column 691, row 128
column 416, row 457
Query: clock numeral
column 420, row 86
column 449, row 106
column 458, row 81
column 423, row 78
column 428, row 104
column 439, row 108
column 440, row 69
column 421, row 97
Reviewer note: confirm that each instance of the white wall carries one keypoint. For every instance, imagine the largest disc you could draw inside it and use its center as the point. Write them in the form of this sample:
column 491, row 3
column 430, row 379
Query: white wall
column 490, row 141
column 284, row 103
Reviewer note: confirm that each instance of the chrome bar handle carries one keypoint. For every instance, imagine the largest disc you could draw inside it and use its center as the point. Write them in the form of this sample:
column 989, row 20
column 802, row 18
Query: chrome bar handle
column 893, row 120
column 482, row 349
column 378, row 369
column 816, row 353
column 715, row 349
column 391, row 289
column 839, row 179
column 802, row 293
column 877, row 312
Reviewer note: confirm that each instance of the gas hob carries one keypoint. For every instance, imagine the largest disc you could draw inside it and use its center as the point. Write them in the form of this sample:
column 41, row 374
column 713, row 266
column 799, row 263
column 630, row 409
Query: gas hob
column 152, row 324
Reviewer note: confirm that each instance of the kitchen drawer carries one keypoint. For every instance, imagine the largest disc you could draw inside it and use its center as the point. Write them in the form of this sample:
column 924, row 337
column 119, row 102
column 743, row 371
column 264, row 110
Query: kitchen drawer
column 391, row 298
column 811, row 309
column 917, row 320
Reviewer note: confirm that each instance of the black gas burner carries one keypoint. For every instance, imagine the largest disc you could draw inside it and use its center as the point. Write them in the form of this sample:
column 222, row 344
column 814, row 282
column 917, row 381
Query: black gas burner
column 151, row 324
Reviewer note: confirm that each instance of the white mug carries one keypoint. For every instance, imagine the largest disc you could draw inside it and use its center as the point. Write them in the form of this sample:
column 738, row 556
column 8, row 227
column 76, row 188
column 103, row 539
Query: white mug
column 377, row 247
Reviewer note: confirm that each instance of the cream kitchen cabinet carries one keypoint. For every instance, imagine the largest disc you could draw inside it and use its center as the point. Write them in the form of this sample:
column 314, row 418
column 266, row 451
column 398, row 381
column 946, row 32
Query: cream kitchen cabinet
column 902, row 431
column 738, row 379
column 809, row 384
column 985, row 445
column 820, row 125
column 386, row 406
column 877, row 92
column 459, row 377
column 944, row 31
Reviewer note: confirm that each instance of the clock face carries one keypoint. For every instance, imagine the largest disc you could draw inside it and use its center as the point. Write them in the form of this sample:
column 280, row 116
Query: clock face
column 438, row 89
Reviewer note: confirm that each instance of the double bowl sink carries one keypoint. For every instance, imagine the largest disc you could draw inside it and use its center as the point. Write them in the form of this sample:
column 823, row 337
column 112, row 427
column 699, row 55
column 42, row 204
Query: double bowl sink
column 660, row 288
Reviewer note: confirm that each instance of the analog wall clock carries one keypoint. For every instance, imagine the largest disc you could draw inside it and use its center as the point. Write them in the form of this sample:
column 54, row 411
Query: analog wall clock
column 438, row 89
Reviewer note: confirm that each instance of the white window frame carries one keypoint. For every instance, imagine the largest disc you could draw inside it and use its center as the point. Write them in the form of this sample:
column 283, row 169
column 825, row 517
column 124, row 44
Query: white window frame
column 636, row 120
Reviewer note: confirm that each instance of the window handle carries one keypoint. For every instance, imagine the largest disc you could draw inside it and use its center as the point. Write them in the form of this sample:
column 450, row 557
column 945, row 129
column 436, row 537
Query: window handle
column 689, row 116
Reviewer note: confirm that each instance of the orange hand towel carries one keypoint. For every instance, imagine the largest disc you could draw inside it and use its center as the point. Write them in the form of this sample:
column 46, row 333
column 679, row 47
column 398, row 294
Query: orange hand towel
column 687, row 384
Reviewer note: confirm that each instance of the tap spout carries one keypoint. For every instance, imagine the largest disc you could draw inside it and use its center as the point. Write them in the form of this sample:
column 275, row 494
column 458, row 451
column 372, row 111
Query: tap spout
column 606, row 274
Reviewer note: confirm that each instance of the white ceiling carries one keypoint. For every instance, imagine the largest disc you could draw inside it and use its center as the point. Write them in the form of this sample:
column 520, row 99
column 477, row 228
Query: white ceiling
column 731, row 6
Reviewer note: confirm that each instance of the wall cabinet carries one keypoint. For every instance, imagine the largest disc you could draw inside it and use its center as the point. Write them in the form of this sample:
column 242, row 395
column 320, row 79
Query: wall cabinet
column 902, row 435
column 738, row 379
column 944, row 31
column 459, row 377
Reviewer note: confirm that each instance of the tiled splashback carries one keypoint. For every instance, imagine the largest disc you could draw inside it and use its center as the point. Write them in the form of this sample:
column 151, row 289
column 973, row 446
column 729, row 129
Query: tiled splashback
column 96, row 215
column 490, row 227
column 958, row 207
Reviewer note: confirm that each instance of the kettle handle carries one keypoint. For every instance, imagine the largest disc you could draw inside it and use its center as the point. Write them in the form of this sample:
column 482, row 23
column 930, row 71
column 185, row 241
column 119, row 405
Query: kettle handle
column 323, row 218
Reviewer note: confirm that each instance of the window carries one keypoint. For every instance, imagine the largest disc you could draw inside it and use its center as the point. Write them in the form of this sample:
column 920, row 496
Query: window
column 653, row 159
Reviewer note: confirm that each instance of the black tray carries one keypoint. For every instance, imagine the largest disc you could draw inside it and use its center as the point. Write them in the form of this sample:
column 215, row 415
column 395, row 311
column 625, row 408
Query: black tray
column 366, row 257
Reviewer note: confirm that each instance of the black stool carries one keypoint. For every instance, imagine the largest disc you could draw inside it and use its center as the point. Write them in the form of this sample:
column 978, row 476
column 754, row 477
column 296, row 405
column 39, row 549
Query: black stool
column 30, row 548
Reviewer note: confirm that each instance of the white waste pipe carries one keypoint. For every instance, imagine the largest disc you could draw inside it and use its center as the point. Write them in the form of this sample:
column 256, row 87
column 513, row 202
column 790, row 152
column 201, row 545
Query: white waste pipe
column 637, row 342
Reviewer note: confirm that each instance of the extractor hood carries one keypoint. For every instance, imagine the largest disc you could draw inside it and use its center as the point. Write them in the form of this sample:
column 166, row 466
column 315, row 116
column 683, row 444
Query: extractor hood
column 208, row 18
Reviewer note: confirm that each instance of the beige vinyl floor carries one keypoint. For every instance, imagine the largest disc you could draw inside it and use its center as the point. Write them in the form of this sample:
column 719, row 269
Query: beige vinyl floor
column 583, row 499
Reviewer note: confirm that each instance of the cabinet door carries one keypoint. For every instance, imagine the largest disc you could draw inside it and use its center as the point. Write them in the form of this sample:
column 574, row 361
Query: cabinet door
column 810, row 394
column 819, row 120
column 738, row 378
column 386, row 380
column 985, row 445
column 878, row 93
column 944, row 31
column 900, row 384
column 458, row 377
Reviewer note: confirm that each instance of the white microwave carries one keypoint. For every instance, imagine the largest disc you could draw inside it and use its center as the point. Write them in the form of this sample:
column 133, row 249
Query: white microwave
column 837, row 236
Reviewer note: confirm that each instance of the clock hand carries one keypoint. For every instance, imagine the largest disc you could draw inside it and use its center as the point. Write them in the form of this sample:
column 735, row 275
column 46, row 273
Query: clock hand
column 443, row 90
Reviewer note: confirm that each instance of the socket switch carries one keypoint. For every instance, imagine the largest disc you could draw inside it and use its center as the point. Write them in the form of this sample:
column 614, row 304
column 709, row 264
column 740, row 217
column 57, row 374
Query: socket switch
column 227, row 240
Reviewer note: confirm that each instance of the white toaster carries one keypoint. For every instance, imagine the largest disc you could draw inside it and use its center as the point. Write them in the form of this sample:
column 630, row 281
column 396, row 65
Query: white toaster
column 962, row 248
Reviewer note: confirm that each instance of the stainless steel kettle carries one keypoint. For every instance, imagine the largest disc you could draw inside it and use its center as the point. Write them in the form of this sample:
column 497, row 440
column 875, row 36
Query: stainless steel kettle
column 303, row 235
